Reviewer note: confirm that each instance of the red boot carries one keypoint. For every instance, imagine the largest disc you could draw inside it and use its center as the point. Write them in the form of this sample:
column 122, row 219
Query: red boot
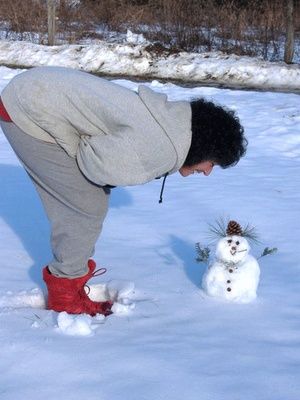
column 68, row 295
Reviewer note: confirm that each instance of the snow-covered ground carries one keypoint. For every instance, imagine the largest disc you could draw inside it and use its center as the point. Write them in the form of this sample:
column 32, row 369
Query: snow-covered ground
column 132, row 58
column 176, row 343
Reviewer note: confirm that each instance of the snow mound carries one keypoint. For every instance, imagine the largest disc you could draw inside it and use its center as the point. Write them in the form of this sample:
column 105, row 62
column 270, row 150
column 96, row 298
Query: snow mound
column 135, row 38
column 119, row 291
column 77, row 325
column 34, row 298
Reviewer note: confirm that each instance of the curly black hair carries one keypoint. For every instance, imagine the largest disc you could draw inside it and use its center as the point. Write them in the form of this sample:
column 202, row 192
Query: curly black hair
column 217, row 135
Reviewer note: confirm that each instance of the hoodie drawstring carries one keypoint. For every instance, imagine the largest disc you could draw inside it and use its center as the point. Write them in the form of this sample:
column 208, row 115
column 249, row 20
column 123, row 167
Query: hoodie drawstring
column 162, row 188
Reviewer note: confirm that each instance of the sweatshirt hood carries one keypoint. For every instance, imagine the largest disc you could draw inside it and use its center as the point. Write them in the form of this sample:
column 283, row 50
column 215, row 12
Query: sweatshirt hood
column 174, row 117
column 150, row 139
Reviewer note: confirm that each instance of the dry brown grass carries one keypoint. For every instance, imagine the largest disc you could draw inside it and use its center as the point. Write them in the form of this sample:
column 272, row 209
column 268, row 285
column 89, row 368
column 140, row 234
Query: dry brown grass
column 23, row 18
column 253, row 27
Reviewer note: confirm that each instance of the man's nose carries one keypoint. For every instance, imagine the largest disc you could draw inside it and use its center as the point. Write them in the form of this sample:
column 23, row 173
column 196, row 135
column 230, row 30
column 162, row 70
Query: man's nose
column 208, row 171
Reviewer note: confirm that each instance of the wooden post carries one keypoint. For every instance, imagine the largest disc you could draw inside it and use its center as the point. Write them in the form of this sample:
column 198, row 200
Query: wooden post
column 51, row 5
column 289, row 42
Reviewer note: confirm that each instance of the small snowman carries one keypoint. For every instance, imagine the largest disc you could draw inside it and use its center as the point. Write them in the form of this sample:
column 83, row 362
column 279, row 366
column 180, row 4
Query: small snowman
column 234, row 275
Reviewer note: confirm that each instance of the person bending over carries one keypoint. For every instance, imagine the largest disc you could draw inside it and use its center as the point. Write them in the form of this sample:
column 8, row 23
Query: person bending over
column 78, row 135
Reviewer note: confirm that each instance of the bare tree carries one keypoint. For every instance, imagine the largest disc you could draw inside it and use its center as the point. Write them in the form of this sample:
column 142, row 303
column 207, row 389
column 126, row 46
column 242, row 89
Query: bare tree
column 289, row 43
column 51, row 21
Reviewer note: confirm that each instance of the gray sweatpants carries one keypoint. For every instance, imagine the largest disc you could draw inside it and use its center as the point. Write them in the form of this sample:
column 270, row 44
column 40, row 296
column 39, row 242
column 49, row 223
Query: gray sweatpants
column 75, row 207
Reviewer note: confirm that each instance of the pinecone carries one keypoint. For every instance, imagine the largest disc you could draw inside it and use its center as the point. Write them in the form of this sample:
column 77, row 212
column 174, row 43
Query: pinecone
column 234, row 228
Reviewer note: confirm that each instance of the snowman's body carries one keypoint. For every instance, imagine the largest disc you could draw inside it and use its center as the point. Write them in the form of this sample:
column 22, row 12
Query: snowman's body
column 235, row 273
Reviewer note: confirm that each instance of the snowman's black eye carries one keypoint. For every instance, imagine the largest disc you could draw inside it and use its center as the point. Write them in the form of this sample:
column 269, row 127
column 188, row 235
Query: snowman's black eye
column 229, row 241
column 237, row 243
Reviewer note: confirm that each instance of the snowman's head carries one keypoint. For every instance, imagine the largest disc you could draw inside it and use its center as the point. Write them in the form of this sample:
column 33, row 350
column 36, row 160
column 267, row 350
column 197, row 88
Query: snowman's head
column 232, row 249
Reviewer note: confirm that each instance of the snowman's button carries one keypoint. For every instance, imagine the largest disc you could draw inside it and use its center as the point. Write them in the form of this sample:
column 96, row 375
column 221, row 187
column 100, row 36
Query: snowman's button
column 231, row 270
column 228, row 281
column 228, row 289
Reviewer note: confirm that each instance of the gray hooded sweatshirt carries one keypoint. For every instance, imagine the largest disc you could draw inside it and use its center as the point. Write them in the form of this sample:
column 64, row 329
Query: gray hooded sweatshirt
column 118, row 137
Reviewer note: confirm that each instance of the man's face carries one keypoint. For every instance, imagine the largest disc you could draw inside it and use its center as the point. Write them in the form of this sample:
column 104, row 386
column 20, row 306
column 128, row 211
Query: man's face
column 204, row 167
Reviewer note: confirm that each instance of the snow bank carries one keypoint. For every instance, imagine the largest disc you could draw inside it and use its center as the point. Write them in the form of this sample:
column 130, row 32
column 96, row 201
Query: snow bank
column 134, row 59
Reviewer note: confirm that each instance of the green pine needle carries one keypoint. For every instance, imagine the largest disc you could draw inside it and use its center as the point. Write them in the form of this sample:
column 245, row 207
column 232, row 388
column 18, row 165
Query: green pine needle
column 219, row 228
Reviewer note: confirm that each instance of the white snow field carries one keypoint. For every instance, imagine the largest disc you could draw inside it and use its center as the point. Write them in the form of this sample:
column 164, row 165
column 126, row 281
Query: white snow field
column 169, row 340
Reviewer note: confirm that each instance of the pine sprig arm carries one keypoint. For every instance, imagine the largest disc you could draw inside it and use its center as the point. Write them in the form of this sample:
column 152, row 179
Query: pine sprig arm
column 202, row 253
column 267, row 251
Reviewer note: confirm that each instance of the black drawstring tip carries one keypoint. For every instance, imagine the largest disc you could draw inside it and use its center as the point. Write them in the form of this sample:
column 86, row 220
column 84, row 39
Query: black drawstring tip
column 162, row 188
